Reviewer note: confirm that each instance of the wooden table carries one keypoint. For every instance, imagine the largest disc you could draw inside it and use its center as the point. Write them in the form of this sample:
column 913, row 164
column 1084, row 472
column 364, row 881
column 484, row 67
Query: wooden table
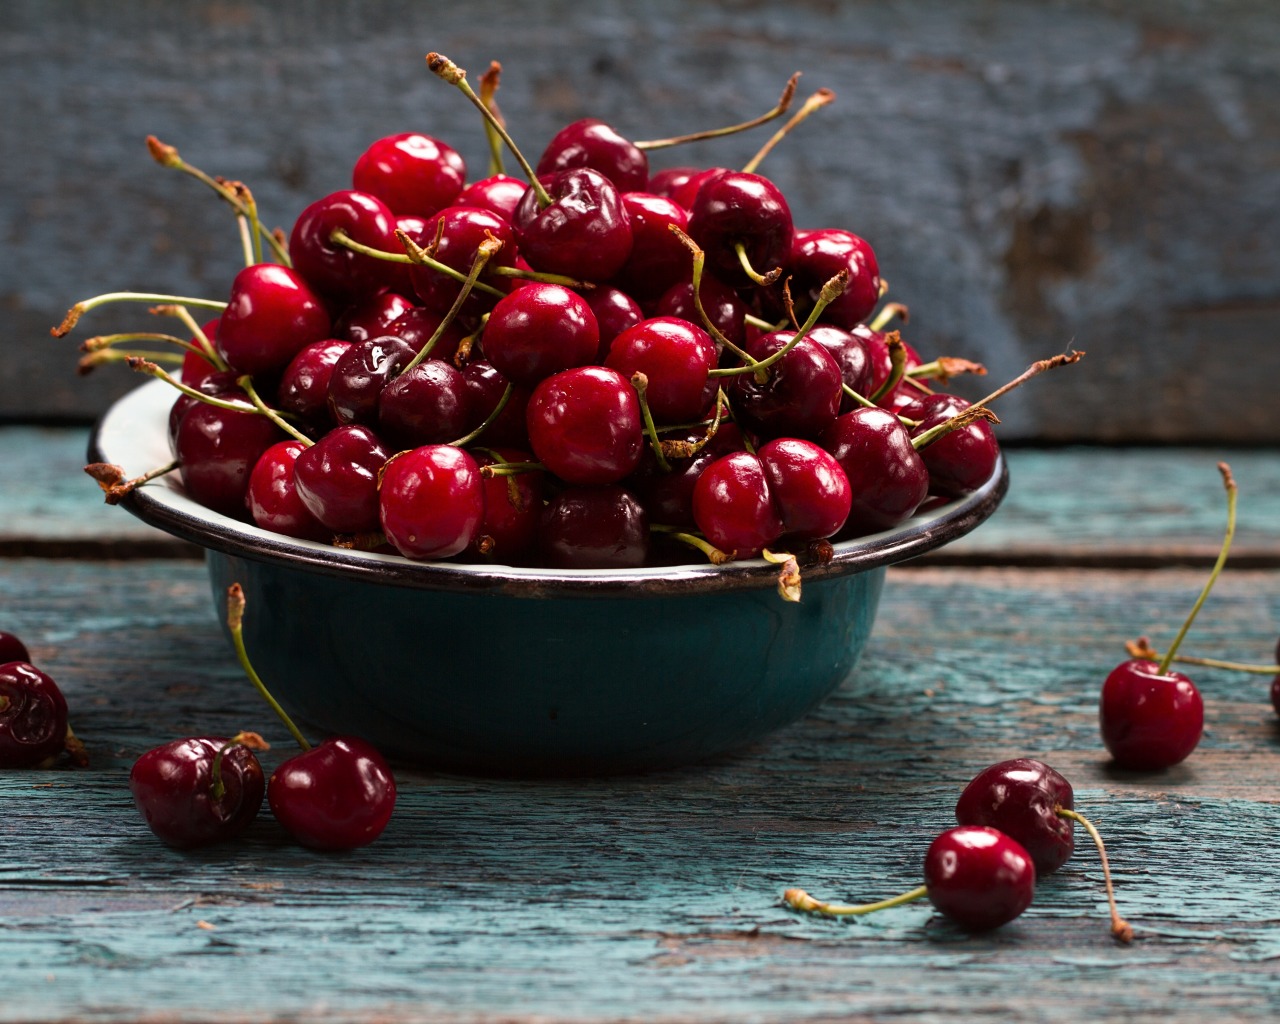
column 657, row 898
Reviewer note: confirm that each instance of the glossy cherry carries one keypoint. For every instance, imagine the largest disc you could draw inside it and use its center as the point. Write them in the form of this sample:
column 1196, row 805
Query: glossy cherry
column 585, row 425
column 360, row 374
column 410, row 172
column 419, row 327
column 304, row 386
column 722, row 305
column 584, row 233
column 427, row 404
column 453, row 237
column 371, row 318
column 33, row 715
column 614, row 311
column 888, row 478
column 498, row 193
column 12, row 648
column 593, row 528
column 339, row 795
column 808, row 487
column 851, row 355
column 217, row 449
column 271, row 315
column 960, row 461
column 273, row 499
column 736, row 210
column 488, row 387
column 1022, row 798
column 332, row 269
column 675, row 357
column 431, row 501
column 815, row 257
column 592, row 143
column 513, row 502
column 658, row 258
column 198, row 791
column 337, row 478
column 800, row 395
column 979, row 877
column 539, row 330
column 734, row 508
column 1149, row 719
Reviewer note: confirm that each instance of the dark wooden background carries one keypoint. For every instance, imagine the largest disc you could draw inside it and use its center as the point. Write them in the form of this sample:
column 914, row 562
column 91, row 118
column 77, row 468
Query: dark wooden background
column 1104, row 175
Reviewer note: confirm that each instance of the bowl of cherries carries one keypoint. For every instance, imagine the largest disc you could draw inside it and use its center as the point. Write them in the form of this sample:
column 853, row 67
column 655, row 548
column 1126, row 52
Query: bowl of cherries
column 594, row 469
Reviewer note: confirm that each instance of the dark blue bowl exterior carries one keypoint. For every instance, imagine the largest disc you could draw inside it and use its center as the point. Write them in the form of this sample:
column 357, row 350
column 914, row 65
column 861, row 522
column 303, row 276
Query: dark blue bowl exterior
column 453, row 680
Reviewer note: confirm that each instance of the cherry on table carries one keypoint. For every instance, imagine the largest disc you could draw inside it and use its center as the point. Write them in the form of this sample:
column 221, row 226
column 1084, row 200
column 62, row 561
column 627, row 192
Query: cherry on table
column 12, row 649
column 1021, row 798
column 200, row 790
column 33, row 714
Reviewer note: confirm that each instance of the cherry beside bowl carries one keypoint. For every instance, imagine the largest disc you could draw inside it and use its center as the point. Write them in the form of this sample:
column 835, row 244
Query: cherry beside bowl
column 491, row 669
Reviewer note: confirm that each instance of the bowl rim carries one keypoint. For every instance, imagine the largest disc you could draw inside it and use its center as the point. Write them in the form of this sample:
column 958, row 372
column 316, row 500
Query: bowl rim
column 133, row 433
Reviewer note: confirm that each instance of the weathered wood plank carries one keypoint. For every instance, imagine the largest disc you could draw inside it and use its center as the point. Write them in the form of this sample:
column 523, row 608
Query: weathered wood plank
column 653, row 898
column 1082, row 505
column 1032, row 176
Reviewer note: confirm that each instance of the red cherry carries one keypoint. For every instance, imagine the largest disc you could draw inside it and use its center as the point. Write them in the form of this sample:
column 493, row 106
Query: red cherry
column 722, row 305
column 675, row 356
column 670, row 180
column 658, row 258
column 585, row 425
column 454, row 235
column 499, row 193
column 338, row 795
column 584, row 233
column 12, row 649
column 33, row 715
column 360, row 374
column 418, row 325
column 487, row 386
column 978, row 877
column 431, row 501
column 808, row 487
column 196, row 367
column 1021, row 798
column 512, row 505
column 614, row 311
column 337, row 478
column 335, row 271
column 736, row 209
column 427, row 404
column 272, row 314
column 801, row 393
column 175, row 788
column 961, row 461
column 592, row 143
column 1149, row 720
column 411, row 173
column 371, row 318
column 217, row 449
column 816, row 257
column 304, row 386
column 733, row 506
column 887, row 475
column 593, row 528
column 539, row 330
column 273, row 499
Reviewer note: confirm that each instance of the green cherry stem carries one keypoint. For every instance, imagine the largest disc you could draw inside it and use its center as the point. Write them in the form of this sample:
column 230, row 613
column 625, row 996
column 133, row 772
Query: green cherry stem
column 641, row 383
column 246, row 385
column 140, row 365
column 103, row 356
column 446, row 70
column 815, row 102
column 699, row 263
column 714, row 555
column 897, row 365
column 203, row 344
column 890, row 310
column 1229, row 483
column 782, row 106
column 744, row 261
column 1120, row 928
column 798, row 899
column 466, row 439
column 488, row 93
column 111, row 478
column 1140, row 648
column 417, row 254
column 485, row 251
column 86, row 305
column 235, row 624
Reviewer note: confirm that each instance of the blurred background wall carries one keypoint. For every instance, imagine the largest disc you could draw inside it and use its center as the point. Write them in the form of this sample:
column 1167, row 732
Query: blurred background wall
column 1033, row 175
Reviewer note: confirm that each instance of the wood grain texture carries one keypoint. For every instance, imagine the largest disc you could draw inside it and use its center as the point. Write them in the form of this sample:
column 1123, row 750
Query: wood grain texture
column 1033, row 176
column 654, row 898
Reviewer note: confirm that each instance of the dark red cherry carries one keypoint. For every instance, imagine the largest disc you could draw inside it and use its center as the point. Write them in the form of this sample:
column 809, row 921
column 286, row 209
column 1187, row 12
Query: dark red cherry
column 217, row 449
column 614, row 311
column 668, row 495
column 337, row 478
column 800, row 396
column 539, row 330
column 371, row 318
column 978, row 878
column 658, row 258
column 1149, row 720
column 361, row 373
column 272, row 314
column 850, row 353
column 733, row 506
column 426, row 404
column 808, row 488
column 453, row 236
column 670, row 180
column 592, row 143
column 33, row 716
column 816, row 256
column 887, row 475
column 739, row 209
column 487, row 387
column 338, row 795
column 961, row 461
column 675, row 356
column 585, row 425
column 338, row 273
column 175, row 788
column 411, row 173
column 684, row 188
column 584, row 233
column 498, row 193
column 419, row 325
column 722, row 305
column 304, row 386
column 593, row 528
column 431, row 501
column 273, row 499
column 12, row 649
column 1021, row 798
column 220, row 384
column 512, row 505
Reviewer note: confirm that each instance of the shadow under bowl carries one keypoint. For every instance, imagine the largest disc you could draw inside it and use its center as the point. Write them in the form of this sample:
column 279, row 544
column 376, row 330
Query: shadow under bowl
column 496, row 670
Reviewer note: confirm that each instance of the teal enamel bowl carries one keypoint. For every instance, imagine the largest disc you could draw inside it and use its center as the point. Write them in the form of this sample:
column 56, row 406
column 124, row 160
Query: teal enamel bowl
column 497, row 670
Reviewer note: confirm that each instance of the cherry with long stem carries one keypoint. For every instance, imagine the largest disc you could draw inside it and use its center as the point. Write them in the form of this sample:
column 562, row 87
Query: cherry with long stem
column 1120, row 928
column 782, row 106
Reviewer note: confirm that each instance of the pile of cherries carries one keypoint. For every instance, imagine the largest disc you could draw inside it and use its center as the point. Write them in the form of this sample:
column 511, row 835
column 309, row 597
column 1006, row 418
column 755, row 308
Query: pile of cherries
column 595, row 365
column 1016, row 825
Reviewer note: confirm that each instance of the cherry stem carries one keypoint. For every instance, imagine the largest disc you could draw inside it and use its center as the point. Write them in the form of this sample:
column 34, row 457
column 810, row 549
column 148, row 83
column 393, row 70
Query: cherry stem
column 546, row 277
column 1120, row 928
column 241, row 739
column 505, row 468
column 890, row 310
column 246, row 384
column 417, row 254
column 93, row 360
column 763, row 280
column 959, row 421
column 111, row 478
column 235, row 623
column 484, row 252
column 488, row 90
column 1036, row 368
column 233, row 193
column 202, row 343
column 466, row 439
column 1140, row 648
column 699, row 263
column 944, row 368
column 714, row 555
column 75, row 749
column 81, row 308
column 641, row 383
column 897, row 365
column 788, row 577
column 140, row 365
column 1230, row 484
column 798, row 899
column 815, row 102
column 783, row 105
column 446, row 70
